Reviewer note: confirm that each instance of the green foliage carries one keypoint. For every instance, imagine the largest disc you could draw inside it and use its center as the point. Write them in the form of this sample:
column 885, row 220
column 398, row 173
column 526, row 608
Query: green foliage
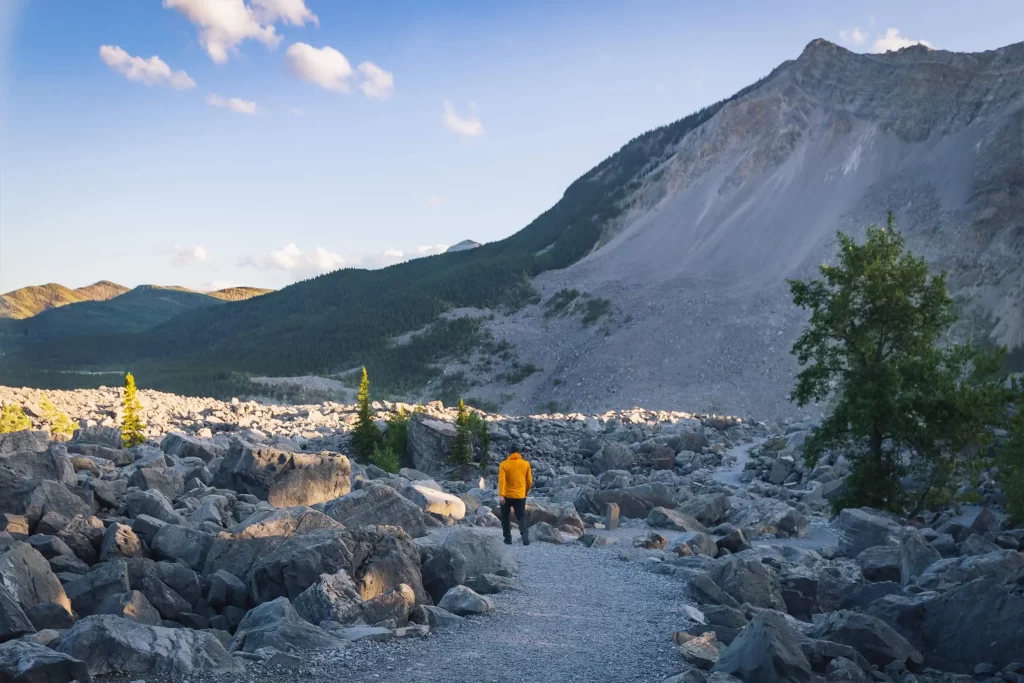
column 462, row 451
column 551, row 407
column 1011, row 460
column 398, row 433
column 482, row 404
column 903, row 404
column 132, row 426
column 60, row 423
column 452, row 386
column 480, row 437
column 13, row 419
column 350, row 317
column 517, row 373
column 366, row 435
column 559, row 302
column 386, row 459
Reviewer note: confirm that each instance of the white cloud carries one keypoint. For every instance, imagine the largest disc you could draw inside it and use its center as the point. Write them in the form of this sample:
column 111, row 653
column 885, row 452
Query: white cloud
column 215, row 285
column 292, row 12
column 431, row 249
column 388, row 257
column 377, row 84
column 152, row 71
column 325, row 66
column 433, row 200
column 469, row 126
column 184, row 256
column 224, row 24
column 853, row 37
column 892, row 40
column 291, row 259
column 234, row 104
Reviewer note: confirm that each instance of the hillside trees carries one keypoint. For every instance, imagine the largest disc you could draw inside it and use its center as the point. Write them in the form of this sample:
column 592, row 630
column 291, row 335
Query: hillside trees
column 903, row 403
column 132, row 427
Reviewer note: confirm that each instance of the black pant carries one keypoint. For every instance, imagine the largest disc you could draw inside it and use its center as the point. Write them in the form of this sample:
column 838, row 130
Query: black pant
column 519, row 505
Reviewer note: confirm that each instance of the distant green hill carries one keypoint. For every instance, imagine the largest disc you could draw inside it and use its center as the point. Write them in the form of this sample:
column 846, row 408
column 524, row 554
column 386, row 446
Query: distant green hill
column 29, row 301
column 350, row 317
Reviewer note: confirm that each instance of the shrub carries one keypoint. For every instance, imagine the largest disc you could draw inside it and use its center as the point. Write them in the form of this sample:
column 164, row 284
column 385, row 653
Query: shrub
column 132, row 427
column 13, row 419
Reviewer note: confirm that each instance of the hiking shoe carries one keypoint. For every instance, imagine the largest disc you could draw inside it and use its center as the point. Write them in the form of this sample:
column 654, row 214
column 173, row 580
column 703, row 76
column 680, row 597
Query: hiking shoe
column 526, row 541
column 508, row 541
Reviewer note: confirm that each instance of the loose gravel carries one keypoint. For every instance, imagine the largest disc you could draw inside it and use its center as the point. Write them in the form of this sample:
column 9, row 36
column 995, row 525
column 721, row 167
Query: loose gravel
column 577, row 614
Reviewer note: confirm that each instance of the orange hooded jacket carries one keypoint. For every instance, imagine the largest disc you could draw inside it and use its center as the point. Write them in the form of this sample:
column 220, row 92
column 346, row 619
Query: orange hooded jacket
column 515, row 478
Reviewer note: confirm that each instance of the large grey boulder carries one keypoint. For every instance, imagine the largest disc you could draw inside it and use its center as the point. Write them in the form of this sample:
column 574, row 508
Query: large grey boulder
column 767, row 650
column 25, row 661
column 862, row 528
column 434, row 617
column 663, row 518
column 465, row 553
column 45, row 498
column 383, row 558
column 868, row 635
column 284, row 478
column 119, row 456
column 181, row 544
column 119, row 541
column 88, row 592
column 709, row 509
column 430, row 442
column 24, row 440
column 880, row 563
column 151, row 579
column 298, row 562
column 768, row 516
column 980, row 621
column 103, row 436
column 184, row 446
column 237, row 550
column 746, row 579
column 614, row 456
column 333, row 597
column 462, row 601
column 634, row 502
column 14, row 623
column 916, row 555
column 152, row 503
column 110, row 644
column 951, row 572
column 50, row 464
column 276, row 624
column 562, row 516
column 378, row 504
column 167, row 481
column 27, row 577
column 131, row 605
column 431, row 500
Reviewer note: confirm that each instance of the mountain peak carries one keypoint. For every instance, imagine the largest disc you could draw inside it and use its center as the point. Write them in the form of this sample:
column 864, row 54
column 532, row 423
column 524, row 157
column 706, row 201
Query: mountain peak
column 464, row 245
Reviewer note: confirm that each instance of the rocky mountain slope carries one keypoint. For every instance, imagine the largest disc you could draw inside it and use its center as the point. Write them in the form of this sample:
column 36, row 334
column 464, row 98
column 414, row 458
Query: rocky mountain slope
column 29, row 301
column 695, row 270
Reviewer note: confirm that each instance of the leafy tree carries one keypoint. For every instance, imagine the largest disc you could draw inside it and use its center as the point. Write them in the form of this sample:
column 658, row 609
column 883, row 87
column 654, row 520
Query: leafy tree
column 132, row 426
column 13, row 419
column 366, row 435
column 462, row 451
column 903, row 404
column 386, row 459
column 1011, row 461
column 480, row 437
column 60, row 423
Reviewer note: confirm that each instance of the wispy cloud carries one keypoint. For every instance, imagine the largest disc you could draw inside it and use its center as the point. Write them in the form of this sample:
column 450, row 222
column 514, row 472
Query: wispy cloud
column 184, row 256
column 468, row 126
column 377, row 83
column 234, row 104
column 431, row 249
column 291, row 259
column 152, row 71
column 225, row 24
column 892, row 40
column 853, row 36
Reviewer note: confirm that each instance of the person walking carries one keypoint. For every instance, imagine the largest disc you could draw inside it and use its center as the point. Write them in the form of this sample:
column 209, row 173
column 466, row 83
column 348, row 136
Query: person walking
column 515, row 479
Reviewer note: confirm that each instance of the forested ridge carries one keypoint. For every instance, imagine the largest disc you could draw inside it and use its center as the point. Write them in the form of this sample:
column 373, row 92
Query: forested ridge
column 349, row 317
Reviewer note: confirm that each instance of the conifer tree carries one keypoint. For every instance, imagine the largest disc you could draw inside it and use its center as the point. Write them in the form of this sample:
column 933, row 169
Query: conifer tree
column 132, row 426
column 904, row 402
column 60, row 423
column 13, row 419
column 366, row 435
column 462, row 451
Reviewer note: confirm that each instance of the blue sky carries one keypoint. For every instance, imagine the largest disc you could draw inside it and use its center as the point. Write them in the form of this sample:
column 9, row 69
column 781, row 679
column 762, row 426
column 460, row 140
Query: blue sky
column 248, row 154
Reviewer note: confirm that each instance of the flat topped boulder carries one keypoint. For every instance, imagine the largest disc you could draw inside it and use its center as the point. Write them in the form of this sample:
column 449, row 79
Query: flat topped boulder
column 378, row 504
column 431, row 500
column 862, row 528
column 430, row 442
column 283, row 478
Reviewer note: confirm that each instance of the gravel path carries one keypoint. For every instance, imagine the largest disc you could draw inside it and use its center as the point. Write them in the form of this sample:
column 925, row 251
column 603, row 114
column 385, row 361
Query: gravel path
column 580, row 614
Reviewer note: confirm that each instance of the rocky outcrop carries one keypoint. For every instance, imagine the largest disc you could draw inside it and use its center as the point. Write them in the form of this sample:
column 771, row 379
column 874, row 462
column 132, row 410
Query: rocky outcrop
column 430, row 442
column 283, row 478
column 378, row 504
